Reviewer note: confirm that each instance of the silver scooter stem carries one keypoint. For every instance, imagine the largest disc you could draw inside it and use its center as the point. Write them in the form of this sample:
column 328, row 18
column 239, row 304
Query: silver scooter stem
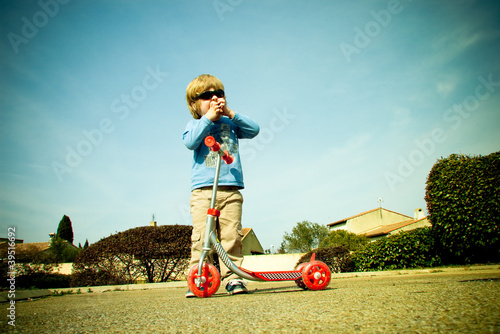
column 209, row 226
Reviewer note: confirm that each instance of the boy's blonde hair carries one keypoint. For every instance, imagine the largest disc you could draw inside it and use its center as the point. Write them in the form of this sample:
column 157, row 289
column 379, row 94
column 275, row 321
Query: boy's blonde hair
column 199, row 85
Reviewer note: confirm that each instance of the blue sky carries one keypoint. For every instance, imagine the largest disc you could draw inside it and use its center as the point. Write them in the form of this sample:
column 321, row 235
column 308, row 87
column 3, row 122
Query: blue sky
column 356, row 101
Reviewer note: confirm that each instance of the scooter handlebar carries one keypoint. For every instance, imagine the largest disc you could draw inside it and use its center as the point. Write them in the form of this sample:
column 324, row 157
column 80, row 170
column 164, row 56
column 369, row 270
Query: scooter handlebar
column 215, row 146
column 227, row 158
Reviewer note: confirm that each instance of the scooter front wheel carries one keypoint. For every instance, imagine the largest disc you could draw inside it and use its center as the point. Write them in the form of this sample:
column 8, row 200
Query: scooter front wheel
column 205, row 285
column 316, row 275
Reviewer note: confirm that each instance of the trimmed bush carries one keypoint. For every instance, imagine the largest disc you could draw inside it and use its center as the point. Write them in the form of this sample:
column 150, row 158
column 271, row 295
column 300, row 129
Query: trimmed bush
column 463, row 201
column 96, row 277
column 37, row 276
column 158, row 254
column 338, row 259
column 407, row 249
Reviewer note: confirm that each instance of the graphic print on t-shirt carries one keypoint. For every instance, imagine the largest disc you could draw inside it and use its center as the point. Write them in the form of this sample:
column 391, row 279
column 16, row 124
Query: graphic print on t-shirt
column 222, row 134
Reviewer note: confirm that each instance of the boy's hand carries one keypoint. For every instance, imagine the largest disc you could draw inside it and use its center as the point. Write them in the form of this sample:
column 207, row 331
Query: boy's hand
column 225, row 110
column 218, row 109
column 214, row 113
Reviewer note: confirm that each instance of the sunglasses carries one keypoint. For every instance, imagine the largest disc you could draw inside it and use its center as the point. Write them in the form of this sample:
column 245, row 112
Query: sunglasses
column 209, row 93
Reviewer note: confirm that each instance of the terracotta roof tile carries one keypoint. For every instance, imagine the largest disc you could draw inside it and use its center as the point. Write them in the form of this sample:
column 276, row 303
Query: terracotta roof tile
column 38, row 246
column 245, row 231
column 385, row 229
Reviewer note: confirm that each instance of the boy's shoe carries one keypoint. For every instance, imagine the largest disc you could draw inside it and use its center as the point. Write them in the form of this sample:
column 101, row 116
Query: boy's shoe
column 236, row 286
column 189, row 294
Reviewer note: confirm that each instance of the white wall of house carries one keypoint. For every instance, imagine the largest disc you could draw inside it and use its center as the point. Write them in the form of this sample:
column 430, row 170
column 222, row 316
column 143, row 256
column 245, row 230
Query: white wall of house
column 63, row 268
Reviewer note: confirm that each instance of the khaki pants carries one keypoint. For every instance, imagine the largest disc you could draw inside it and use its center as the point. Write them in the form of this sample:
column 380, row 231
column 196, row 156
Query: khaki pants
column 229, row 202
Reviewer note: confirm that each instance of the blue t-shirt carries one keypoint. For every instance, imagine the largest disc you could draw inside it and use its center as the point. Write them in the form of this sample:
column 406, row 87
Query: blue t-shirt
column 227, row 132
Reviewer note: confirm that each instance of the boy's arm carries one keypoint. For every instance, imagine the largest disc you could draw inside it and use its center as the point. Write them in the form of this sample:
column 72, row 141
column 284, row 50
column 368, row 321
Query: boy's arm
column 195, row 132
column 247, row 127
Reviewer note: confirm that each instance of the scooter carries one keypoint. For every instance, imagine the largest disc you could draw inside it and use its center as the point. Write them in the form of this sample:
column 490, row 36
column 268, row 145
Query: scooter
column 204, row 278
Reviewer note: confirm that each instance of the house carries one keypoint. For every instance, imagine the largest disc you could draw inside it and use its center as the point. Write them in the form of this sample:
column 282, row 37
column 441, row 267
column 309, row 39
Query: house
column 27, row 252
column 251, row 245
column 6, row 240
column 384, row 231
column 379, row 223
column 33, row 247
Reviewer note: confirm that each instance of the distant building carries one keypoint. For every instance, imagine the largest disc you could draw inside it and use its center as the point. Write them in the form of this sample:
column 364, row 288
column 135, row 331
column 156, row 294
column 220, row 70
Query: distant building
column 379, row 223
column 6, row 240
column 251, row 245
column 26, row 252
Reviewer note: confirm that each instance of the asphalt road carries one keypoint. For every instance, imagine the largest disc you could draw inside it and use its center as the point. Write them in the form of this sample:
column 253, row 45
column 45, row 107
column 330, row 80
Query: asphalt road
column 439, row 302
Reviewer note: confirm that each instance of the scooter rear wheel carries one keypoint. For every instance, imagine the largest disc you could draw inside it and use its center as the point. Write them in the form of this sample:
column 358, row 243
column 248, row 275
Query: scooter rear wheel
column 316, row 275
column 209, row 280
column 299, row 281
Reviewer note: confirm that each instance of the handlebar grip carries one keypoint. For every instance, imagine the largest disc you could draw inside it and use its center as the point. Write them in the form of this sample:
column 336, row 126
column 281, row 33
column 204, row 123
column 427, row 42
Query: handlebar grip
column 212, row 143
column 215, row 146
column 227, row 158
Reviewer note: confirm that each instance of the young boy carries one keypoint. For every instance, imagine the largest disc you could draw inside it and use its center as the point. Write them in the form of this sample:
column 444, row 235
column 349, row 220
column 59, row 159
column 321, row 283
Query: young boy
column 206, row 100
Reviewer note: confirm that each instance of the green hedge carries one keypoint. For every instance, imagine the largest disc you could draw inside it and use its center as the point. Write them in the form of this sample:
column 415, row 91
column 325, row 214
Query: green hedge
column 345, row 238
column 338, row 259
column 463, row 201
column 34, row 276
column 43, row 281
column 407, row 249
column 156, row 253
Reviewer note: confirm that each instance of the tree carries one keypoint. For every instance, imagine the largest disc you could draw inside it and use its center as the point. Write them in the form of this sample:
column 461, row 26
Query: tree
column 65, row 229
column 60, row 251
column 56, row 249
column 305, row 236
column 345, row 238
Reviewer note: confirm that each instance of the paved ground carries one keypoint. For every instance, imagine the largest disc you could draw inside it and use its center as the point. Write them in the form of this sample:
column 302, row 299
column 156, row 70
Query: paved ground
column 448, row 301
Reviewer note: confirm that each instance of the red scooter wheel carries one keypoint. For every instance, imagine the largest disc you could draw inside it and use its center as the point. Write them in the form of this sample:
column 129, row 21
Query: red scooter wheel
column 209, row 280
column 300, row 282
column 316, row 275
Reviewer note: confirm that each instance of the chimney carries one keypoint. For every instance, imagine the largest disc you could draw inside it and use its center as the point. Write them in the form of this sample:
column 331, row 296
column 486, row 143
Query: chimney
column 153, row 223
column 419, row 214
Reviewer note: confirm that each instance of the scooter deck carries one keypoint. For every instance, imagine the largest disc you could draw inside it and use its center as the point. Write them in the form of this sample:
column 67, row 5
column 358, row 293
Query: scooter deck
column 274, row 275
